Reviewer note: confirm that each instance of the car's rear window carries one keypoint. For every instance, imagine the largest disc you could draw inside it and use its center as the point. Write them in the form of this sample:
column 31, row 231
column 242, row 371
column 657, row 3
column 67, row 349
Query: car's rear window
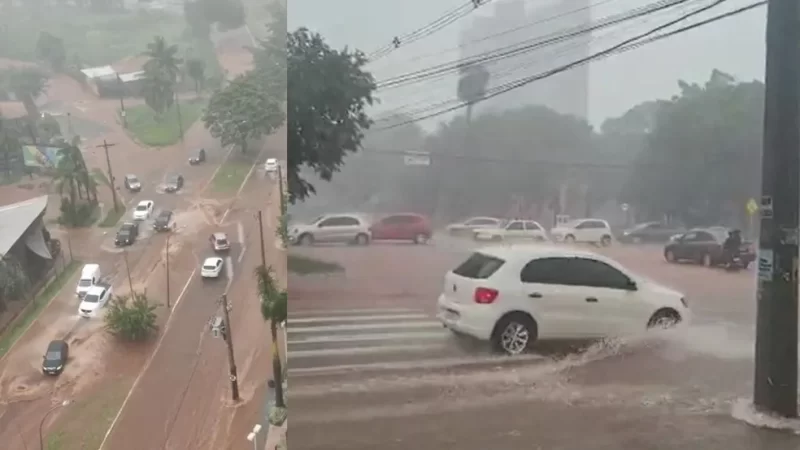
column 479, row 266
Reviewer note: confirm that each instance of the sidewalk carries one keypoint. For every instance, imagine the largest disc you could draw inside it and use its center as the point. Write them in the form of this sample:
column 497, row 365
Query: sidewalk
column 276, row 436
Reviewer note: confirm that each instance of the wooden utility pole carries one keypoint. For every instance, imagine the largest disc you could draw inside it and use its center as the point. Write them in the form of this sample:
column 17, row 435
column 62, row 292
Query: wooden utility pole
column 128, row 269
column 775, row 383
column 178, row 111
column 105, row 147
column 229, row 341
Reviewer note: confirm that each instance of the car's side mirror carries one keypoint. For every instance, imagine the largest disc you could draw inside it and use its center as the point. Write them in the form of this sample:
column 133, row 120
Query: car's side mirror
column 631, row 285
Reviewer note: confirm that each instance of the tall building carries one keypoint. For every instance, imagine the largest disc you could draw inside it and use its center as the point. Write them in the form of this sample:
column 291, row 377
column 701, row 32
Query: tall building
column 508, row 25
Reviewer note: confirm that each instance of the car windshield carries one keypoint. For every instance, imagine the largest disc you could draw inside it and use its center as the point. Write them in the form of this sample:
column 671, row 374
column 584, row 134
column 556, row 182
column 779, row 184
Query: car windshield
column 91, row 298
column 133, row 179
column 209, row 267
column 141, row 208
column 572, row 224
column 173, row 179
column 124, row 231
column 222, row 241
column 53, row 356
column 85, row 283
column 315, row 220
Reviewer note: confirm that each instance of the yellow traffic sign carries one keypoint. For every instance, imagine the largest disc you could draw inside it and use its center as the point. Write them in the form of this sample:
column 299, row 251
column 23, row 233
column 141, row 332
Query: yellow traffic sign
column 752, row 206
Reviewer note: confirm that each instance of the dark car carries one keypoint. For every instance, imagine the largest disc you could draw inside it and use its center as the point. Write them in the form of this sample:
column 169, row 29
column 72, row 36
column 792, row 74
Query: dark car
column 132, row 183
column 174, row 183
column 649, row 232
column 127, row 234
column 163, row 221
column 55, row 357
column 198, row 157
column 704, row 246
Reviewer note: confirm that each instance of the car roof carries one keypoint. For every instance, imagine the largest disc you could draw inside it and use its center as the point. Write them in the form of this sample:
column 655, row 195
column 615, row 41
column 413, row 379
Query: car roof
column 144, row 202
column 128, row 224
column 130, row 175
column 531, row 251
column 220, row 235
column 272, row 159
column 212, row 259
column 96, row 289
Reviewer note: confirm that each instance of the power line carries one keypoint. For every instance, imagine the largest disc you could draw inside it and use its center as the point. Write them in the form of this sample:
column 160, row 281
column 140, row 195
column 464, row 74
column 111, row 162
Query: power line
column 526, row 46
column 427, row 30
column 626, row 45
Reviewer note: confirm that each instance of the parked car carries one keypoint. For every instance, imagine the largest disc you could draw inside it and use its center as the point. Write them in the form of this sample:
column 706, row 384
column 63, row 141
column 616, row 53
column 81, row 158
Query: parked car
column 514, row 295
column 704, row 246
column 143, row 210
column 132, row 183
column 55, row 357
column 402, row 227
column 513, row 230
column 468, row 226
column 649, row 232
column 197, row 157
column 342, row 228
column 212, row 267
column 164, row 221
column 595, row 231
column 271, row 165
column 174, row 183
column 127, row 234
column 96, row 298
column 219, row 242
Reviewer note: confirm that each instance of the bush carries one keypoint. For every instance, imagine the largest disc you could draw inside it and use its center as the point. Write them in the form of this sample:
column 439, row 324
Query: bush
column 81, row 214
column 131, row 320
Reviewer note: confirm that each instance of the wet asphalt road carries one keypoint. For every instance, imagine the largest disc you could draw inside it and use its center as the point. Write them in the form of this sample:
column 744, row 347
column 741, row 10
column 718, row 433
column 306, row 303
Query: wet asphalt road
column 371, row 368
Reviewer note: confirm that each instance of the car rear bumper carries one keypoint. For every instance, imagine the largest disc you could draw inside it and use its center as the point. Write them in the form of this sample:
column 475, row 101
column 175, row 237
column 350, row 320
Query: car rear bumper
column 209, row 275
column 223, row 248
column 472, row 320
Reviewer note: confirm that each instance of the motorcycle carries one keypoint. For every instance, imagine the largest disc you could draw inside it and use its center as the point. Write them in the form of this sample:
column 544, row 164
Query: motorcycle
column 735, row 263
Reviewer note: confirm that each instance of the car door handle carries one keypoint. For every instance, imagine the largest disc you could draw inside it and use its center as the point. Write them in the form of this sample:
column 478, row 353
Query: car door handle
column 535, row 295
column 591, row 299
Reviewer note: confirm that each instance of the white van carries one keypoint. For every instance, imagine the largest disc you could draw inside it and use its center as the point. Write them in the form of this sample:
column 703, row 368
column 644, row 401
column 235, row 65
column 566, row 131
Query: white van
column 90, row 276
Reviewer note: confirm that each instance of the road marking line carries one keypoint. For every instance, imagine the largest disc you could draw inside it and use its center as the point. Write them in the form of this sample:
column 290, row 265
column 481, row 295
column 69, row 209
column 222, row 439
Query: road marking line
column 332, row 312
column 364, row 318
column 149, row 361
column 431, row 363
column 299, row 354
column 208, row 182
column 369, row 337
column 228, row 271
column 240, row 231
column 366, row 326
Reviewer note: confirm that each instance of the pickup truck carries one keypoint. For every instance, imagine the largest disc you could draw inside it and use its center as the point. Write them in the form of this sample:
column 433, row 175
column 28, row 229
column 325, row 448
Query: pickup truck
column 96, row 297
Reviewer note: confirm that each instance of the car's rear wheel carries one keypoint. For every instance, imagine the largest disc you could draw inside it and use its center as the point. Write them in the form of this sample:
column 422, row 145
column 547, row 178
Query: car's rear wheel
column 362, row 239
column 669, row 255
column 605, row 241
column 305, row 239
column 514, row 334
column 706, row 260
column 569, row 239
column 421, row 239
column 664, row 318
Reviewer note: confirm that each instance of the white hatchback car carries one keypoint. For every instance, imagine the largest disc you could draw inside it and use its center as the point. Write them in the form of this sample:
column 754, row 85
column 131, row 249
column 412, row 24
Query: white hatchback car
column 515, row 295
column 513, row 230
column 342, row 228
column 212, row 267
column 595, row 231
column 271, row 165
column 143, row 210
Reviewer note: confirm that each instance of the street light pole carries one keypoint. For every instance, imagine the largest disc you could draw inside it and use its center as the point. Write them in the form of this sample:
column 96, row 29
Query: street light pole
column 775, row 381
column 253, row 436
column 229, row 341
column 167, row 262
column 44, row 419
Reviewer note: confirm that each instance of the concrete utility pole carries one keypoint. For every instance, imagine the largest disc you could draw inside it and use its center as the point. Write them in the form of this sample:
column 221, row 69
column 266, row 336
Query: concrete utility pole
column 775, row 386
column 277, row 369
column 229, row 341
column 178, row 111
column 105, row 146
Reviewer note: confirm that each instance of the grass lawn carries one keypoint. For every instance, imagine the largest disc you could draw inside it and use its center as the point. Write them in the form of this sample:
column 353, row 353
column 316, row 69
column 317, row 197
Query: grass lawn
column 112, row 217
column 231, row 174
column 85, row 422
column 306, row 266
column 159, row 131
column 15, row 331
column 94, row 39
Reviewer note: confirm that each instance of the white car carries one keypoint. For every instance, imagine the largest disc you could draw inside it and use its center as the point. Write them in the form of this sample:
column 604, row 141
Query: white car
column 271, row 166
column 96, row 297
column 474, row 223
column 343, row 228
column 514, row 295
column 143, row 210
column 513, row 230
column 212, row 267
column 595, row 231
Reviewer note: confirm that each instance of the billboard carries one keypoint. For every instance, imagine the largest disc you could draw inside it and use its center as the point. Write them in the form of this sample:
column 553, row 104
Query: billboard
column 43, row 156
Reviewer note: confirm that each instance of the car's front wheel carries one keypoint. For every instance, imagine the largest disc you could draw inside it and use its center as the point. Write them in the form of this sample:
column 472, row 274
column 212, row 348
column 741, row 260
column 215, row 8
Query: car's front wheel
column 569, row 239
column 514, row 334
column 362, row 239
column 306, row 239
column 421, row 239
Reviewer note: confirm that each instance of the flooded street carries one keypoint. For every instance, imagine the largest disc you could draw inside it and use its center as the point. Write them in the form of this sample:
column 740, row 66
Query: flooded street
column 371, row 367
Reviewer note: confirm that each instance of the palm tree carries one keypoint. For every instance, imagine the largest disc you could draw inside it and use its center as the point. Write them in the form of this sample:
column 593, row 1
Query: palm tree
column 196, row 69
column 274, row 309
column 67, row 178
column 163, row 59
column 27, row 84
column 471, row 88
column 9, row 145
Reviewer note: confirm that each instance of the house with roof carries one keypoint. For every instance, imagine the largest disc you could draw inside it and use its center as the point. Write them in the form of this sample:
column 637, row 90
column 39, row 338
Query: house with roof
column 24, row 237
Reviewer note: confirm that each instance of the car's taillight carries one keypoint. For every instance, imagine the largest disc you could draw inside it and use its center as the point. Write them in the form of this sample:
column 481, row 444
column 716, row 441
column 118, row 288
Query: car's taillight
column 685, row 302
column 485, row 296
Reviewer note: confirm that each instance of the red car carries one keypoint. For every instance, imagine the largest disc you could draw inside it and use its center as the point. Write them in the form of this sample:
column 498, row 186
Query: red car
column 402, row 227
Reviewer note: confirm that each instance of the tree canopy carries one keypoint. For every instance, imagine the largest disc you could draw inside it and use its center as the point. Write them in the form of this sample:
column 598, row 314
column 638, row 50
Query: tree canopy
column 328, row 91
column 132, row 318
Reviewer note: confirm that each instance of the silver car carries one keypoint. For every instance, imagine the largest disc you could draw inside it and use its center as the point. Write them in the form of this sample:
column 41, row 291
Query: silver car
column 332, row 228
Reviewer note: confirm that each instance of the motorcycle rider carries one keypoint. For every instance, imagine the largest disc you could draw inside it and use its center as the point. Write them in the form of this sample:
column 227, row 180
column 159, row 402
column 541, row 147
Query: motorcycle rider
column 732, row 245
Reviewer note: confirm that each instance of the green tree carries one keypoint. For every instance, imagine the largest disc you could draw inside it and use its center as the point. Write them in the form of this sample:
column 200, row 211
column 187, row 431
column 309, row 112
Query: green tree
column 132, row 318
column 243, row 111
column 327, row 93
column 51, row 49
column 270, row 56
column 13, row 280
column 26, row 84
column 196, row 69
column 10, row 147
column 274, row 309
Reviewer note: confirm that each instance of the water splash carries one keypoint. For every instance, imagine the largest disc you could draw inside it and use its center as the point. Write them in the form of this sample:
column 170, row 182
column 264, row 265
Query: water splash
column 744, row 411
